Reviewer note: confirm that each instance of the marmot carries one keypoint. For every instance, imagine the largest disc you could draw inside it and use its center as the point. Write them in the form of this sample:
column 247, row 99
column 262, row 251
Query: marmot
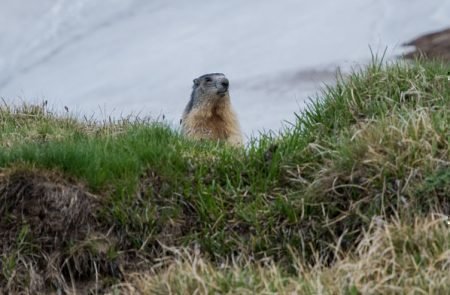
column 209, row 114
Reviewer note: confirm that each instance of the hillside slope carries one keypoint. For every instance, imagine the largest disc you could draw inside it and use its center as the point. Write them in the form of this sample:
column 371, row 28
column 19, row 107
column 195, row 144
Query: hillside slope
column 353, row 198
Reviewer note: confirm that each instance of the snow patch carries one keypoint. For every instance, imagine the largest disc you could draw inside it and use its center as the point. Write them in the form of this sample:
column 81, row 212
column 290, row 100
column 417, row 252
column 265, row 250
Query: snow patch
column 140, row 56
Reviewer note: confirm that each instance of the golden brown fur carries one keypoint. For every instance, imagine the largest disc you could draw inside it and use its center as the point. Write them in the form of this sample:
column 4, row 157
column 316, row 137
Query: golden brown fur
column 209, row 114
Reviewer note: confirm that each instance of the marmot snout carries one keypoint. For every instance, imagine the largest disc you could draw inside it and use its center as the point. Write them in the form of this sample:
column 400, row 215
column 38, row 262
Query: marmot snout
column 209, row 114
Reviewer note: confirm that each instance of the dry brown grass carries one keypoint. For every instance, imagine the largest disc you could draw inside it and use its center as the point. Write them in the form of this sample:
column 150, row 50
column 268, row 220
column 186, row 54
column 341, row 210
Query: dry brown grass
column 392, row 258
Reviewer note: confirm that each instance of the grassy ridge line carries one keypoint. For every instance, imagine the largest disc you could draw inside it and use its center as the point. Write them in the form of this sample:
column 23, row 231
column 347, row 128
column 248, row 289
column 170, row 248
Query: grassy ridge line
column 376, row 144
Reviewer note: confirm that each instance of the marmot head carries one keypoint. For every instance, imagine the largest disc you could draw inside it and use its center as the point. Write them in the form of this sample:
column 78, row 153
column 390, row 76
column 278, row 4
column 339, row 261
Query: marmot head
column 208, row 89
column 211, row 84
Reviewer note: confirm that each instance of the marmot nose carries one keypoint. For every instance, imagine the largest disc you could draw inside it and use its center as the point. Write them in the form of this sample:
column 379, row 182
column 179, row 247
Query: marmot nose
column 225, row 83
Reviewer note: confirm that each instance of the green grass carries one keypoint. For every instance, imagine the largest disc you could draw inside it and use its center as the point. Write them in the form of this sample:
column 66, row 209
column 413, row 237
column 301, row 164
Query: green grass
column 375, row 145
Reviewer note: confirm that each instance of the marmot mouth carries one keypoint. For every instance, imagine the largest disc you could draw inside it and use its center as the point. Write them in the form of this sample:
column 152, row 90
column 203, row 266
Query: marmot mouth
column 222, row 92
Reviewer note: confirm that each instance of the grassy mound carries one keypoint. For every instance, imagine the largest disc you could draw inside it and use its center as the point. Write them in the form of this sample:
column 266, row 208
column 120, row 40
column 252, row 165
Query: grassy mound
column 373, row 147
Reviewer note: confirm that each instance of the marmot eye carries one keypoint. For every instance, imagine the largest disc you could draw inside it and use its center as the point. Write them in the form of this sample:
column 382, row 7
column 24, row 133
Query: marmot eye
column 208, row 79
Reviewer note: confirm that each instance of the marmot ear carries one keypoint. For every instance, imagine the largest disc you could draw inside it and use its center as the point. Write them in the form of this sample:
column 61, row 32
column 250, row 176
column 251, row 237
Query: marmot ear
column 196, row 82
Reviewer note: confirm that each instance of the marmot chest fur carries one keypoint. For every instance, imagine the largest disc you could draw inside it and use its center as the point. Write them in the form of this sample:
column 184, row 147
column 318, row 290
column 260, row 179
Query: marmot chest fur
column 209, row 114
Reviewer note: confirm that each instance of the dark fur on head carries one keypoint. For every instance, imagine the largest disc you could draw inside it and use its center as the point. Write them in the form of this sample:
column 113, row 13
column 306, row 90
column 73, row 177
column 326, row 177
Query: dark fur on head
column 207, row 85
column 209, row 114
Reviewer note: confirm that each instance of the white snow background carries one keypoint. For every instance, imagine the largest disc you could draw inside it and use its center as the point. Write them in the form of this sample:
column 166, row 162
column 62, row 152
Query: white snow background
column 116, row 57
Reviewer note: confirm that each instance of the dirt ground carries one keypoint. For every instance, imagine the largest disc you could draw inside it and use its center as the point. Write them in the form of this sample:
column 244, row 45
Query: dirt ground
column 433, row 45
